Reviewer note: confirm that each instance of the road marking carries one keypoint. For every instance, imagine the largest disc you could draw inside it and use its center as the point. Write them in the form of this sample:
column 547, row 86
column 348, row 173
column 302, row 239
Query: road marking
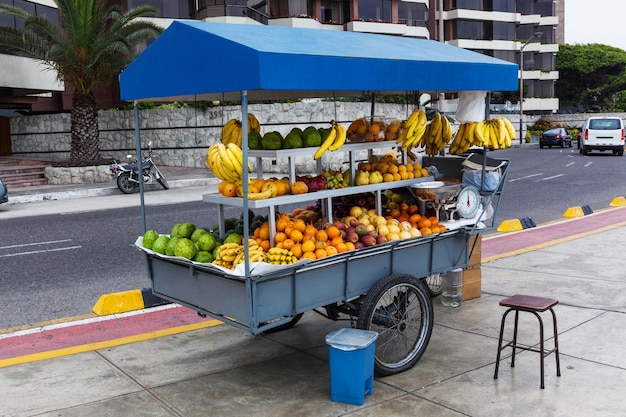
column 34, row 244
column 527, row 176
column 40, row 251
column 587, row 164
column 571, row 163
column 549, row 178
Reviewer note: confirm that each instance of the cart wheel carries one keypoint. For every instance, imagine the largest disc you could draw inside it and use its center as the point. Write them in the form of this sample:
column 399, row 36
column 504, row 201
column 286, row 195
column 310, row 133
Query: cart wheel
column 400, row 309
column 434, row 284
column 287, row 325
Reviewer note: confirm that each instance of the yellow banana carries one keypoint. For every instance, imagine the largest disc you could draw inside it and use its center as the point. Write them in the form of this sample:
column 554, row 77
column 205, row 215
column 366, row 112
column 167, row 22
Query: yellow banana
column 479, row 136
column 340, row 137
column 228, row 164
column 253, row 123
column 436, row 128
column 260, row 196
column 326, row 144
column 509, row 127
column 447, row 129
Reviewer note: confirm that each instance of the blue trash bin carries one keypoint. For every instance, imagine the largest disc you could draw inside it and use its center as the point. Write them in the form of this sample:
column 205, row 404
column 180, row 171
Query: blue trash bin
column 351, row 357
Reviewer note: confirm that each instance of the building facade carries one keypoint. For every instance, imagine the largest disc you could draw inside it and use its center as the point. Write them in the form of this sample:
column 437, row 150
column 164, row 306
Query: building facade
column 499, row 28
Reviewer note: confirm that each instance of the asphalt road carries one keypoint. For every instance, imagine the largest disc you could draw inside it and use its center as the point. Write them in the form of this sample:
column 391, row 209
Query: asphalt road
column 58, row 257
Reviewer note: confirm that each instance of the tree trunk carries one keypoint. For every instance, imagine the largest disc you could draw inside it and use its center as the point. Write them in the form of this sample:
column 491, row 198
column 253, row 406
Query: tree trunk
column 85, row 147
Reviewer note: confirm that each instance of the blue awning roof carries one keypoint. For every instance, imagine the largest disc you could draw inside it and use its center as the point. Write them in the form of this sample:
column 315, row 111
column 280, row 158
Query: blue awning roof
column 200, row 58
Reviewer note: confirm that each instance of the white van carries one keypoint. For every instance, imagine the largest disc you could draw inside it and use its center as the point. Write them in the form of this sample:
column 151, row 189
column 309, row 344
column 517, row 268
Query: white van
column 602, row 134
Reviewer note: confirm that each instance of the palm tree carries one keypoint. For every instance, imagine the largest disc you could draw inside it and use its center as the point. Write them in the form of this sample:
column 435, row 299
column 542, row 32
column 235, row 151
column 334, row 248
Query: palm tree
column 93, row 45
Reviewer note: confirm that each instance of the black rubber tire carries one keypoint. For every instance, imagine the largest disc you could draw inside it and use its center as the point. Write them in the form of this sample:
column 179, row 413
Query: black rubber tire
column 620, row 152
column 399, row 308
column 562, row 143
column 125, row 184
column 540, row 146
column 570, row 144
column 163, row 183
column 287, row 325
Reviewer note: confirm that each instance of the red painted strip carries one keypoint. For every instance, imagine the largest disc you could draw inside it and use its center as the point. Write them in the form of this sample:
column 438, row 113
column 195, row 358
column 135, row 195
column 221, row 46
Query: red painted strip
column 506, row 243
column 87, row 333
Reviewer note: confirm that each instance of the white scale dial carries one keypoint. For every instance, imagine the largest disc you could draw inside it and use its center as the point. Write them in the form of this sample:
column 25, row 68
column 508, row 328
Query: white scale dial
column 468, row 202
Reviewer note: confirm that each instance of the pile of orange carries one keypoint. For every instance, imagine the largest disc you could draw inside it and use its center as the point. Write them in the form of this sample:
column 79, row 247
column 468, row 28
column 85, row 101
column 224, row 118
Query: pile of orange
column 303, row 240
column 409, row 213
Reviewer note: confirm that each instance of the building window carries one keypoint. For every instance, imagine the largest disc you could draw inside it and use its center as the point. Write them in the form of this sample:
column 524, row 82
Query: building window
column 468, row 29
column 412, row 14
column 468, row 4
column 49, row 13
column 166, row 8
column 376, row 11
column 503, row 6
column 503, row 31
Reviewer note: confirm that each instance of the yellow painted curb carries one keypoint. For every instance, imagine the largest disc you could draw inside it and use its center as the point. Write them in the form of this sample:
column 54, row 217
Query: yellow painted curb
column 119, row 302
column 574, row 212
column 618, row 202
column 512, row 225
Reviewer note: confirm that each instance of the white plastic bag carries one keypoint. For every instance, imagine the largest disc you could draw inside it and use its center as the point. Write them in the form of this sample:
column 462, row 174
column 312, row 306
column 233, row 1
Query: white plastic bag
column 471, row 106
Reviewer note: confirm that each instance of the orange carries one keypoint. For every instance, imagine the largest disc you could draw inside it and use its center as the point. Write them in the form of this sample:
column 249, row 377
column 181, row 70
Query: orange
column 265, row 245
column 336, row 241
column 257, row 232
column 309, row 255
column 404, row 207
column 341, row 247
column 321, row 235
column 308, row 246
column 279, row 245
column 333, row 232
column 288, row 244
column 442, row 228
column 394, row 213
column 397, row 177
column 299, row 225
column 387, row 177
column 392, row 169
column 433, row 220
column 424, row 172
column 281, row 224
column 413, row 209
column 404, row 217
column 280, row 237
column 308, row 237
column 296, row 235
column 320, row 244
column 424, row 222
column 402, row 168
column 404, row 175
column 320, row 253
column 350, row 246
column 310, row 230
column 331, row 250
column 297, row 250
column 264, row 233
column 426, row 231
column 409, row 167
column 410, row 175
column 415, row 218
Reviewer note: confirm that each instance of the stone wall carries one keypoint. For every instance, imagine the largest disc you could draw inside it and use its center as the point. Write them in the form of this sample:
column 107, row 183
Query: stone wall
column 181, row 137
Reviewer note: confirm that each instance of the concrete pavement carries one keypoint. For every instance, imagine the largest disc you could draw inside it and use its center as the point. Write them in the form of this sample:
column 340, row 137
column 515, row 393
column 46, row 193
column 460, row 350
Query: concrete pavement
column 167, row 361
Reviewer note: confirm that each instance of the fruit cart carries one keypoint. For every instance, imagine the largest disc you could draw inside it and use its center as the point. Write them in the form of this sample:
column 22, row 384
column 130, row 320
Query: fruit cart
column 380, row 287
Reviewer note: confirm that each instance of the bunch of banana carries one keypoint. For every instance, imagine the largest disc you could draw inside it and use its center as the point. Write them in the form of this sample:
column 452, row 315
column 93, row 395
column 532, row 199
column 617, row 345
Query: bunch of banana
column 437, row 135
column 226, row 254
column 231, row 132
column 495, row 133
column 260, row 195
column 226, row 161
column 413, row 130
column 255, row 253
column 280, row 256
column 335, row 140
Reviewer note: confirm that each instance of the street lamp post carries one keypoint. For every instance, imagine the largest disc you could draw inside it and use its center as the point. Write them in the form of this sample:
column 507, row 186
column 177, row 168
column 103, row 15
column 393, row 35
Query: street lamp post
column 521, row 82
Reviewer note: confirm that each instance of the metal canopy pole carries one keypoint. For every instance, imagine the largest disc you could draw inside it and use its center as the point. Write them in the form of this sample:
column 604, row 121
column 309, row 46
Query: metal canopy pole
column 139, row 166
column 244, row 179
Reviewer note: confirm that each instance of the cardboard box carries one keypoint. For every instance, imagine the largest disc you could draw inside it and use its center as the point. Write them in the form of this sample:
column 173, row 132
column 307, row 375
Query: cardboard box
column 472, row 277
column 474, row 250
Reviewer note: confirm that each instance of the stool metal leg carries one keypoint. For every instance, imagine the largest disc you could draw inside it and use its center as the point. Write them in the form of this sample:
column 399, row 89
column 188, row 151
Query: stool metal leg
column 502, row 323
column 556, row 344
column 541, row 351
column 514, row 339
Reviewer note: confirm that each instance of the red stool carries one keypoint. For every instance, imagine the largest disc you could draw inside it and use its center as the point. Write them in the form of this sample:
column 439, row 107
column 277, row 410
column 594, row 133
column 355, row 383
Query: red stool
column 532, row 305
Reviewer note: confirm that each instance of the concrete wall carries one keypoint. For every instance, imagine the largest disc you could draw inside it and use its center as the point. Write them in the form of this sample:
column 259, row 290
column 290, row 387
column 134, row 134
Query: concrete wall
column 181, row 137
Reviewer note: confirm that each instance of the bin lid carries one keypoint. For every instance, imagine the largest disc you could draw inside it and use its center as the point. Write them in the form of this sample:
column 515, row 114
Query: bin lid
column 351, row 339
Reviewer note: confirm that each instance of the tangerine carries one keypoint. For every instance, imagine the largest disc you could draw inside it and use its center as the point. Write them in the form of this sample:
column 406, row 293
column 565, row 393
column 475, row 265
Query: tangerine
column 264, row 233
column 299, row 225
column 265, row 245
column 341, row 247
column 331, row 250
column 308, row 246
column 282, row 224
column 350, row 246
column 320, row 244
column 309, row 255
column 296, row 235
column 333, row 232
column 310, row 230
column 320, row 253
column 288, row 244
column 336, row 241
column 297, row 250
column 426, row 231
column 321, row 235
column 424, row 222
column 280, row 237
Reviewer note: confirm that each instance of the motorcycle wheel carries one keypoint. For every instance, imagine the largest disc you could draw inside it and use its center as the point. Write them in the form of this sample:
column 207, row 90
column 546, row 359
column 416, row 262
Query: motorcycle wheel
column 160, row 178
column 125, row 184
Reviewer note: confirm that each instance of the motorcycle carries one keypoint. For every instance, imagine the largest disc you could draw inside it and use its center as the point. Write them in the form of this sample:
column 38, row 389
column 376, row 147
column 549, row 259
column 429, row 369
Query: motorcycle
column 126, row 175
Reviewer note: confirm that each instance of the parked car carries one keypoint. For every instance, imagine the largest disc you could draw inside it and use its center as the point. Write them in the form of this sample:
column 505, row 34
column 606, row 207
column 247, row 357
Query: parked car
column 602, row 134
column 4, row 195
column 555, row 137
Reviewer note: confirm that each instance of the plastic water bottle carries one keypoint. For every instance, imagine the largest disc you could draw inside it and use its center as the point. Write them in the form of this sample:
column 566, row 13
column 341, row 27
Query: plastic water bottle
column 452, row 288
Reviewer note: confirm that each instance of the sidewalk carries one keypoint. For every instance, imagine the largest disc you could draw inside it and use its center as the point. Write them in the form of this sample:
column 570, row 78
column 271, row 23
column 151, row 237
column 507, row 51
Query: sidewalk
column 167, row 361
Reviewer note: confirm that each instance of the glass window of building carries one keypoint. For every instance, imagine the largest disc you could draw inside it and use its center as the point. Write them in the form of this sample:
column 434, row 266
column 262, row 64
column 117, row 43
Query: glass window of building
column 468, row 4
column 378, row 10
column 178, row 9
column 468, row 29
column 503, row 31
column 412, row 14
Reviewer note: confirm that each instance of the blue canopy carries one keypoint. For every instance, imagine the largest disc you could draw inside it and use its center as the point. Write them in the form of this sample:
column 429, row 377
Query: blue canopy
column 200, row 58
